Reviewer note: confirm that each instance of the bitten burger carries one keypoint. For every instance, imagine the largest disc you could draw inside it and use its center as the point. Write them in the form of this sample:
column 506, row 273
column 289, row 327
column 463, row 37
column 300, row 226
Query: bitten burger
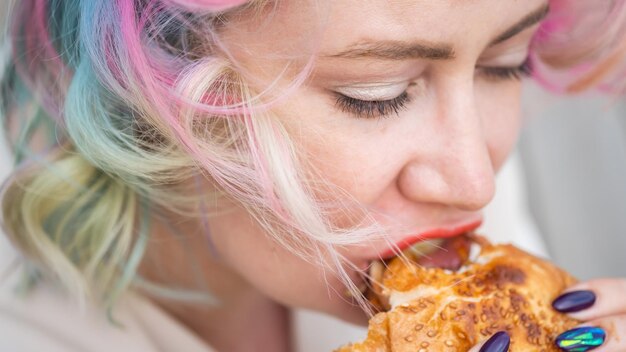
column 476, row 291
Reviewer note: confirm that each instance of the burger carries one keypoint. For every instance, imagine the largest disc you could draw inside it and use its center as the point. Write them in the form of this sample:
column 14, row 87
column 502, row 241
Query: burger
column 460, row 294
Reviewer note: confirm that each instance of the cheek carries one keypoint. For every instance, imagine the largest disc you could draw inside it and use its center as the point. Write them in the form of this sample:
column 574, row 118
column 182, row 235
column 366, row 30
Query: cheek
column 499, row 105
column 290, row 280
column 269, row 267
column 350, row 153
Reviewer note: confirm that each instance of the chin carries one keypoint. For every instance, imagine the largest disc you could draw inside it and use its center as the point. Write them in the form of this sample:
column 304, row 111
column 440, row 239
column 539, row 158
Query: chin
column 348, row 312
column 337, row 303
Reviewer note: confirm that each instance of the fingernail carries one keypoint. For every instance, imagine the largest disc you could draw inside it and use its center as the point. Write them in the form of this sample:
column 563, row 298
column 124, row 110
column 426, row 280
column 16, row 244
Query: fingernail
column 574, row 301
column 499, row 342
column 581, row 339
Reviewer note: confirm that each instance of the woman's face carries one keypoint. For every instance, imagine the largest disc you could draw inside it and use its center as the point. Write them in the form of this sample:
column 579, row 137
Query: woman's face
column 412, row 107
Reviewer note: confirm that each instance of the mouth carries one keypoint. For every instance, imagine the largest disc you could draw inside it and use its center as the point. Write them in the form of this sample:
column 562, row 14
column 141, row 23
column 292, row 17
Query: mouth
column 448, row 249
column 426, row 239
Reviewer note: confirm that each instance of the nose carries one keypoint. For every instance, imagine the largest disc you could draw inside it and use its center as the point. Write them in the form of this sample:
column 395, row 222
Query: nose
column 455, row 169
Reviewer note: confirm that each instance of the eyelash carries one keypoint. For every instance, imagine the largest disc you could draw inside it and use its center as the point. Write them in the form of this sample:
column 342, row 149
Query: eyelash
column 385, row 108
column 514, row 73
column 372, row 108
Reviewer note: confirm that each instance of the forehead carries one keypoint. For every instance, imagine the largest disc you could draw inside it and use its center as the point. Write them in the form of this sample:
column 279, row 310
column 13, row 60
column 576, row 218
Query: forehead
column 293, row 28
column 450, row 21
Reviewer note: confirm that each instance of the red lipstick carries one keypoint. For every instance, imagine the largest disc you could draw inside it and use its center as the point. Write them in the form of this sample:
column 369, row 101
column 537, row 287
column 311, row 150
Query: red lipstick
column 432, row 234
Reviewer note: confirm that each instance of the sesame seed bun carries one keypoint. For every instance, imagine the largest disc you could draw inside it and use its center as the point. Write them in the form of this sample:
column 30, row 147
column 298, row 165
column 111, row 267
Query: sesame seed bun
column 433, row 309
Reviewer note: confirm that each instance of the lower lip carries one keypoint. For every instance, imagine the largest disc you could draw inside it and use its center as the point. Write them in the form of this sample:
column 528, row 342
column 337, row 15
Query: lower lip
column 437, row 233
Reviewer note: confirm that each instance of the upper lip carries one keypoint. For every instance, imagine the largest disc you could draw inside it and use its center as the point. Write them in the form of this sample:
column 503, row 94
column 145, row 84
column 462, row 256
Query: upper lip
column 441, row 232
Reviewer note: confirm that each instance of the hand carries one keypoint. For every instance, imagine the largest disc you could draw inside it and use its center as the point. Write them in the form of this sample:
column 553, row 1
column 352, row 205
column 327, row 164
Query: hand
column 498, row 342
column 601, row 306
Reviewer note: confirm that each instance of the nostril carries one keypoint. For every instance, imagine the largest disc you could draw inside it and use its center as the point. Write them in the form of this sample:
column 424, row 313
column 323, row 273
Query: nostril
column 478, row 194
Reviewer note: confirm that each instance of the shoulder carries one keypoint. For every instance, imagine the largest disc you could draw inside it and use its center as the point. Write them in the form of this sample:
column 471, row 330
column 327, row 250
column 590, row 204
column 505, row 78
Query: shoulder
column 45, row 320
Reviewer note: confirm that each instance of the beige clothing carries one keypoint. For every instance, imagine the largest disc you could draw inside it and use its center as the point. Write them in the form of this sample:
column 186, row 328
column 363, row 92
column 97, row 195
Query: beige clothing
column 45, row 321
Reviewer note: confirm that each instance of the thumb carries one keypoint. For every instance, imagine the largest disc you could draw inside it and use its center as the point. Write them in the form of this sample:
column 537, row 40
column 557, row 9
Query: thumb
column 498, row 342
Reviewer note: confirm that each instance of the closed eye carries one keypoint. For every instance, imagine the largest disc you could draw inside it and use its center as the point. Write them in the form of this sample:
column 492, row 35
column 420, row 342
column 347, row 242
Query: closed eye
column 372, row 108
column 507, row 73
column 369, row 109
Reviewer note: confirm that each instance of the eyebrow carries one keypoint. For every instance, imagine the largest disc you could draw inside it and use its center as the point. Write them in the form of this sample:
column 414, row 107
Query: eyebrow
column 398, row 50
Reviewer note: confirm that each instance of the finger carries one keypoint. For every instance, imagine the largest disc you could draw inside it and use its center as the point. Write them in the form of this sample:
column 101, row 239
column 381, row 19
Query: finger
column 498, row 342
column 601, row 335
column 615, row 328
column 610, row 299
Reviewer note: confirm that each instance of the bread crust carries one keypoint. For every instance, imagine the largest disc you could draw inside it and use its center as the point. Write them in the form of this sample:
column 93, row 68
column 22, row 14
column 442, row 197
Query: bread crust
column 438, row 310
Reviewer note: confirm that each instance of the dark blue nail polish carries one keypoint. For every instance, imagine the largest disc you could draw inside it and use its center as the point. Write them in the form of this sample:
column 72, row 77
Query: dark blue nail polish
column 581, row 339
column 574, row 301
column 499, row 342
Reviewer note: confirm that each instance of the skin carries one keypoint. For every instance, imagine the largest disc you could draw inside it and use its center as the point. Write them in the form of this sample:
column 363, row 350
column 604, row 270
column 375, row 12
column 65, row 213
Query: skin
column 431, row 165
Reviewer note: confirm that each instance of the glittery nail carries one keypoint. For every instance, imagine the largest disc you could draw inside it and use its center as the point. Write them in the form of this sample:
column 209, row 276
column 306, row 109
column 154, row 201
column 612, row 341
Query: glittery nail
column 581, row 339
column 499, row 342
column 574, row 301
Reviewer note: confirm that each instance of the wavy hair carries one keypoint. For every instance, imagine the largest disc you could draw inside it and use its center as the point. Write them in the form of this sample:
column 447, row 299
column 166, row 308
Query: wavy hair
column 115, row 109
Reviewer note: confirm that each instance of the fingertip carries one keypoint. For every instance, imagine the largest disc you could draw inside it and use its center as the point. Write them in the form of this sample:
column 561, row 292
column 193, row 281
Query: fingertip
column 583, row 338
column 574, row 301
column 498, row 342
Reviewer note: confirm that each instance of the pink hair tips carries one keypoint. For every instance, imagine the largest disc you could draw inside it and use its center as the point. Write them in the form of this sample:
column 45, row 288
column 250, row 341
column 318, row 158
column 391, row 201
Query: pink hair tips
column 208, row 5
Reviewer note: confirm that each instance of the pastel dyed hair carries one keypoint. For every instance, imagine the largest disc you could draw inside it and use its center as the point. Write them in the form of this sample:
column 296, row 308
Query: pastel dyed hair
column 118, row 110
